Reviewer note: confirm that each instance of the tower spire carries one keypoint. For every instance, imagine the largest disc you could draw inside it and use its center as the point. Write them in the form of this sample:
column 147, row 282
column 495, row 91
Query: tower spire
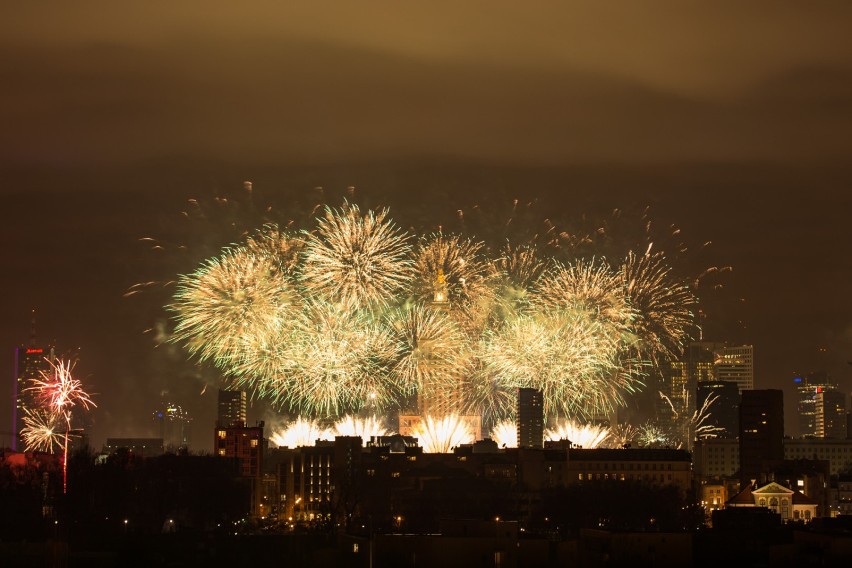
column 33, row 329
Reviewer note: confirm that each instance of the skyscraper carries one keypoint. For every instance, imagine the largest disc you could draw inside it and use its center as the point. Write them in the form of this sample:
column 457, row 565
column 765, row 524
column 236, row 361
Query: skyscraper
column 830, row 417
column 30, row 361
column 806, row 391
column 232, row 408
column 530, row 418
column 761, row 430
column 703, row 361
column 736, row 364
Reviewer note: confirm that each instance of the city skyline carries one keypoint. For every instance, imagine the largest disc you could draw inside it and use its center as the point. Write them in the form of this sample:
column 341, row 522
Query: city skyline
column 114, row 127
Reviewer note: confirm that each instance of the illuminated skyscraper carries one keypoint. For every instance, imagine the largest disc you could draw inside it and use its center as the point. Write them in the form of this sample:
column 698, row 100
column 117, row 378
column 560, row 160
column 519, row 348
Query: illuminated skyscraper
column 30, row 361
column 530, row 418
column 830, row 406
column 232, row 408
column 735, row 364
column 806, row 391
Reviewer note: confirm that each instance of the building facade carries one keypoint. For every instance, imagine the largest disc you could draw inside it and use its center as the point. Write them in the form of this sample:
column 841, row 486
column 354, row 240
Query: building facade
column 830, row 419
column 530, row 418
column 231, row 409
column 31, row 361
column 806, row 386
column 761, row 430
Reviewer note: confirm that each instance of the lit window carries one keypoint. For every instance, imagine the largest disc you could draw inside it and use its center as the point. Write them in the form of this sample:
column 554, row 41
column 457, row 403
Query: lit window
column 254, row 443
column 222, row 452
column 222, row 434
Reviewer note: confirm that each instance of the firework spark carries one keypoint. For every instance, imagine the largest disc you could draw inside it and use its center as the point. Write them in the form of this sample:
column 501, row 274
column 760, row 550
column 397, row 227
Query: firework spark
column 441, row 435
column 301, row 432
column 357, row 260
column 651, row 435
column 582, row 435
column 365, row 428
column 505, row 433
column 42, row 430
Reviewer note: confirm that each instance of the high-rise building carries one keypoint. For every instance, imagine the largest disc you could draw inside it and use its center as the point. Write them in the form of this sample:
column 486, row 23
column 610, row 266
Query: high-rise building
column 173, row 425
column 530, row 418
column 806, row 391
column 761, row 430
column 724, row 408
column 232, row 408
column 735, row 364
column 682, row 376
column 31, row 361
column 830, row 414
column 703, row 361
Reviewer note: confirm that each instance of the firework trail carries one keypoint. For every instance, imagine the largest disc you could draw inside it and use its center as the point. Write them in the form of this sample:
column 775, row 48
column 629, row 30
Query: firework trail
column 365, row 428
column 688, row 426
column 505, row 433
column 581, row 435
column 441, row 435
column 300, row 433
column 357, row 260
column 41, row 431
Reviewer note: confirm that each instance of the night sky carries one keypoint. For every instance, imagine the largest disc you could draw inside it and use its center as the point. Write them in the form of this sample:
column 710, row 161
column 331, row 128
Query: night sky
column 731, row 121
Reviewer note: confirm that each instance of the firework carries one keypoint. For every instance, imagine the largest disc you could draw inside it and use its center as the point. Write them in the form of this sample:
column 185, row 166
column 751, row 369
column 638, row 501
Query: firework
column 505, row 433
column 365, row 428
column 301, row 432
column 337, row 362
column 349, row 318
column 356, row 260
column 686, row 426
column 59, row 392
column 651, row 435
column 580, row 435
column 663, row 304
column 441, row 435
column 622, row 435
column 591, row 287
column 574, row 360
column 432, row 351
column 41, row 431
column 453, row 270
column 231, row 303
column 520, row 265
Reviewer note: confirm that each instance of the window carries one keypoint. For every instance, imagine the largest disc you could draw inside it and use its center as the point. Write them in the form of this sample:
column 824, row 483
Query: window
column 395, row 474
column 222, row 434
column 253, row 443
